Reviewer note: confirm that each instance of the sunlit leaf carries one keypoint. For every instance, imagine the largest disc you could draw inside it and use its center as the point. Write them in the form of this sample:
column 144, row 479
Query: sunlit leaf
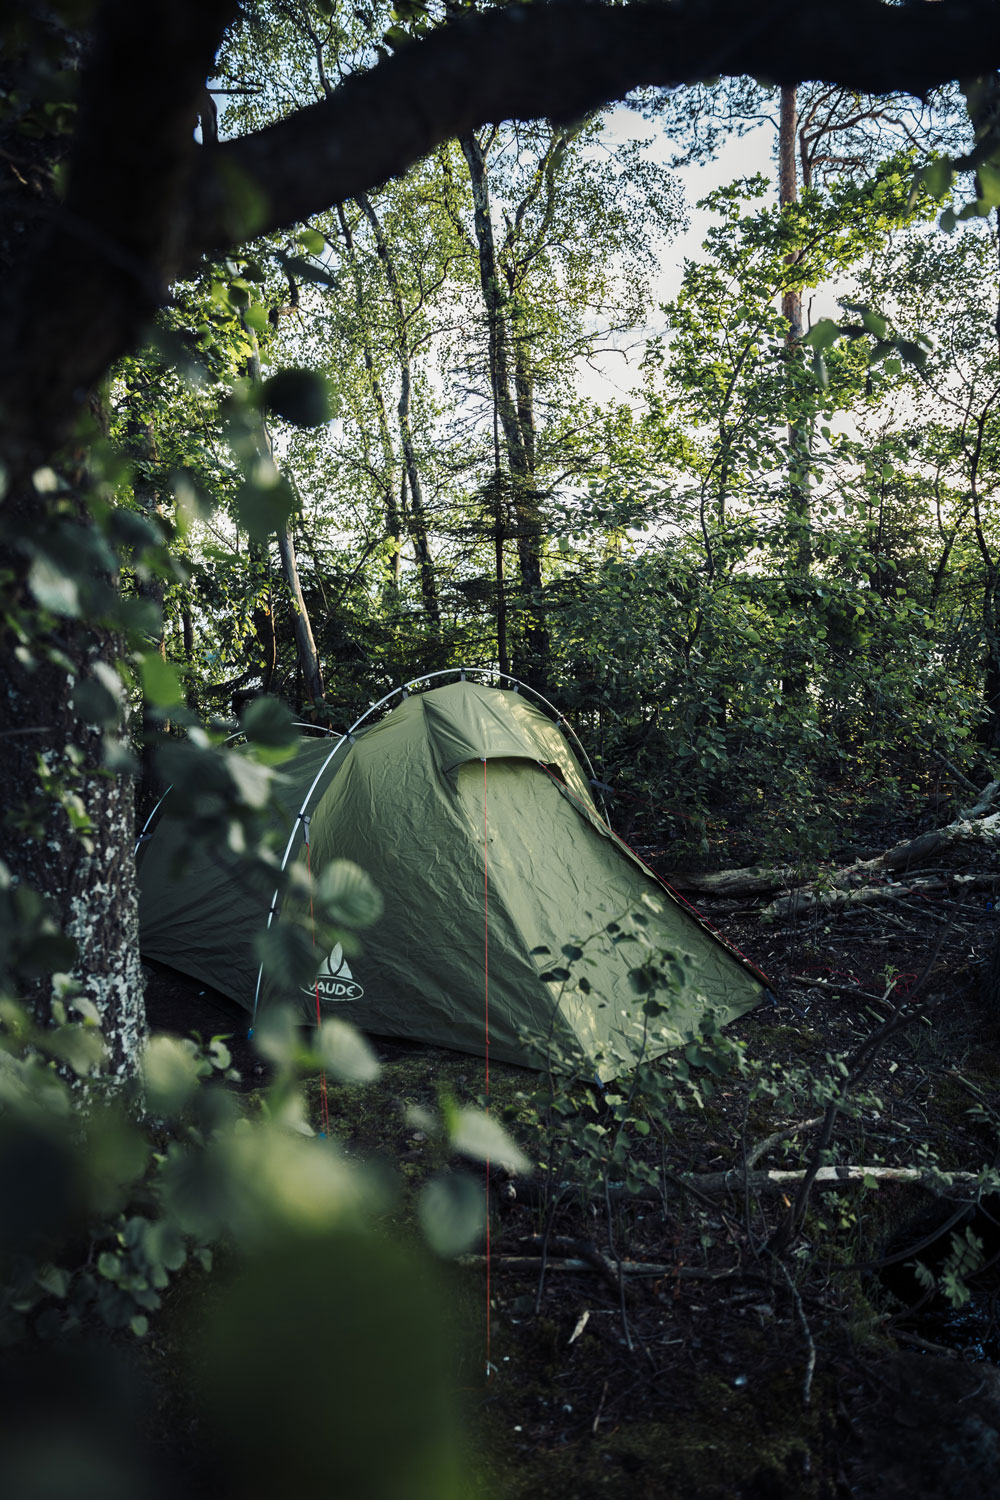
column 161, row 683
column 346, row 1054
column 479, row 1135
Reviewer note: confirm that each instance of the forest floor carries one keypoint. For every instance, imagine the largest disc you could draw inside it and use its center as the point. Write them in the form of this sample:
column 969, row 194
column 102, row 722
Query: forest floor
column 726, row 1373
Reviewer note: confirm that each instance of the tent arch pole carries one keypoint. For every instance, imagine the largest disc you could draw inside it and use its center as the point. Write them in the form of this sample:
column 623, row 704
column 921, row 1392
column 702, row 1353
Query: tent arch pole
column 403, row 689
column 237, row 734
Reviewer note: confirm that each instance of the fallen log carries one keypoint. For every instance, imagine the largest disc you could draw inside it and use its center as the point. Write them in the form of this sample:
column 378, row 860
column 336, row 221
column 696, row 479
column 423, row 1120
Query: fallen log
column 750, row 881
column 971, row 827
column 629, row 1267
column 776, row 1180
column 836, row 898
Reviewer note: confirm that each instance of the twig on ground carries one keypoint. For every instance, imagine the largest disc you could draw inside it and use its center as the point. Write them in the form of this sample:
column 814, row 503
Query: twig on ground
column 776, row 1137
column 810, row 1341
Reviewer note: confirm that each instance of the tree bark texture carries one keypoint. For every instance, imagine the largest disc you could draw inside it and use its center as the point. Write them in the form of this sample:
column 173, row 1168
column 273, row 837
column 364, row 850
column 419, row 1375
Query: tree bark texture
column 69, row 829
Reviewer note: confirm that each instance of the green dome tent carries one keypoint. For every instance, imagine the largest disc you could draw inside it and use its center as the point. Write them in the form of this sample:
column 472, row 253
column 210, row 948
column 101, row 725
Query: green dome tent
column 470, row 812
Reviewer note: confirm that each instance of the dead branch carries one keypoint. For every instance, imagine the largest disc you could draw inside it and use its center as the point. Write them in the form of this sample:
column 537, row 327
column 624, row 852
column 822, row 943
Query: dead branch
column 776, row 1137
column 629, row 1267
column 750, row 881
column 983, row 802
column 970, row 827
column 778, row 1181
column 832, row 896
column 808, row 982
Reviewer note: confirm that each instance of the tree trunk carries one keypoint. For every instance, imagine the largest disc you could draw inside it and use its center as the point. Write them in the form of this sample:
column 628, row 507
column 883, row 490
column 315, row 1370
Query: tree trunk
column 532, row 659
column 798, row 507
column 988, row 732
column 393, row 519
column 416, row 512
column 533, row 666
column 305, row 643
column 73, row 824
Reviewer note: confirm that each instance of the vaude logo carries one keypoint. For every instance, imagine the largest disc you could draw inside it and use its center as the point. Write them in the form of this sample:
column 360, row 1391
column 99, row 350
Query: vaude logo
column 334, row 980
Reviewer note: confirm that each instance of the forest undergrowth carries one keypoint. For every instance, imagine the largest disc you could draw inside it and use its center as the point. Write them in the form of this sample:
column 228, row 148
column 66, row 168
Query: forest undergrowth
column 649, row 1334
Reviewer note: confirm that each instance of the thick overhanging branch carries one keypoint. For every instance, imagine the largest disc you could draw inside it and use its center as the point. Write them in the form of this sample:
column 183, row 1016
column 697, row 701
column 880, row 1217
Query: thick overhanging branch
column 145, row 201
column 560, row 60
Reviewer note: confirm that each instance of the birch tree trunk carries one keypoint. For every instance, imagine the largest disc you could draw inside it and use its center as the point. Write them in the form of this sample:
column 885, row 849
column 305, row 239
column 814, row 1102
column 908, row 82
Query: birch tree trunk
column 305, row 643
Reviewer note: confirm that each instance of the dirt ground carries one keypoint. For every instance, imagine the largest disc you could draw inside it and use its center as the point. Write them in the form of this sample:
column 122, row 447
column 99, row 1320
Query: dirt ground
column 725, row 1371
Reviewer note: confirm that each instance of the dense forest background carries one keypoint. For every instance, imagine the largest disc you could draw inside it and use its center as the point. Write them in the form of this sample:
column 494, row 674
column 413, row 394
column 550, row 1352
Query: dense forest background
column 758, row 571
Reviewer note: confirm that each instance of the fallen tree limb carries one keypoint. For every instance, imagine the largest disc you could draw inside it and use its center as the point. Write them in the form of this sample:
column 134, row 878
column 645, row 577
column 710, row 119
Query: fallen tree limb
column 776, row 1137
column 837, row 898
column 983, row 802
column 629, row 1267
column 971, row 827
column 776, row 1180
column 750, row 881
column 809, row 982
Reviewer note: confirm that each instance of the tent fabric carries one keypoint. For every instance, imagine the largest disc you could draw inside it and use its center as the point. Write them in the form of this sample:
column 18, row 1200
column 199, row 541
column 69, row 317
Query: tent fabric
column 472, row 816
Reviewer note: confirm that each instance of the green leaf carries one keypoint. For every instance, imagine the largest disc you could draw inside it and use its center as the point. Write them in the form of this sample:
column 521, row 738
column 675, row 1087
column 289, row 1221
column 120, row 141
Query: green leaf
column 53, row 589
column 938, row 176
column 483, row 1137
column 95, row 704
column 452, row 1213
column 139, row 1325
column 161, row 684
column 346, row 1054
column 53, row 1279
column 256, row 317
column 251, row 782
column 300, row 396
column 263, row 509
column 268, row 722
column 170, row 1073
column 311, row 240
column 288, row 955
column 346, row 894
column 822, row 335
column 988, row 173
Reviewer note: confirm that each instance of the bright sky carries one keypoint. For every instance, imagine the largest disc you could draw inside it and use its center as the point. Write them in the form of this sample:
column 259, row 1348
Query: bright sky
column 739, row 157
